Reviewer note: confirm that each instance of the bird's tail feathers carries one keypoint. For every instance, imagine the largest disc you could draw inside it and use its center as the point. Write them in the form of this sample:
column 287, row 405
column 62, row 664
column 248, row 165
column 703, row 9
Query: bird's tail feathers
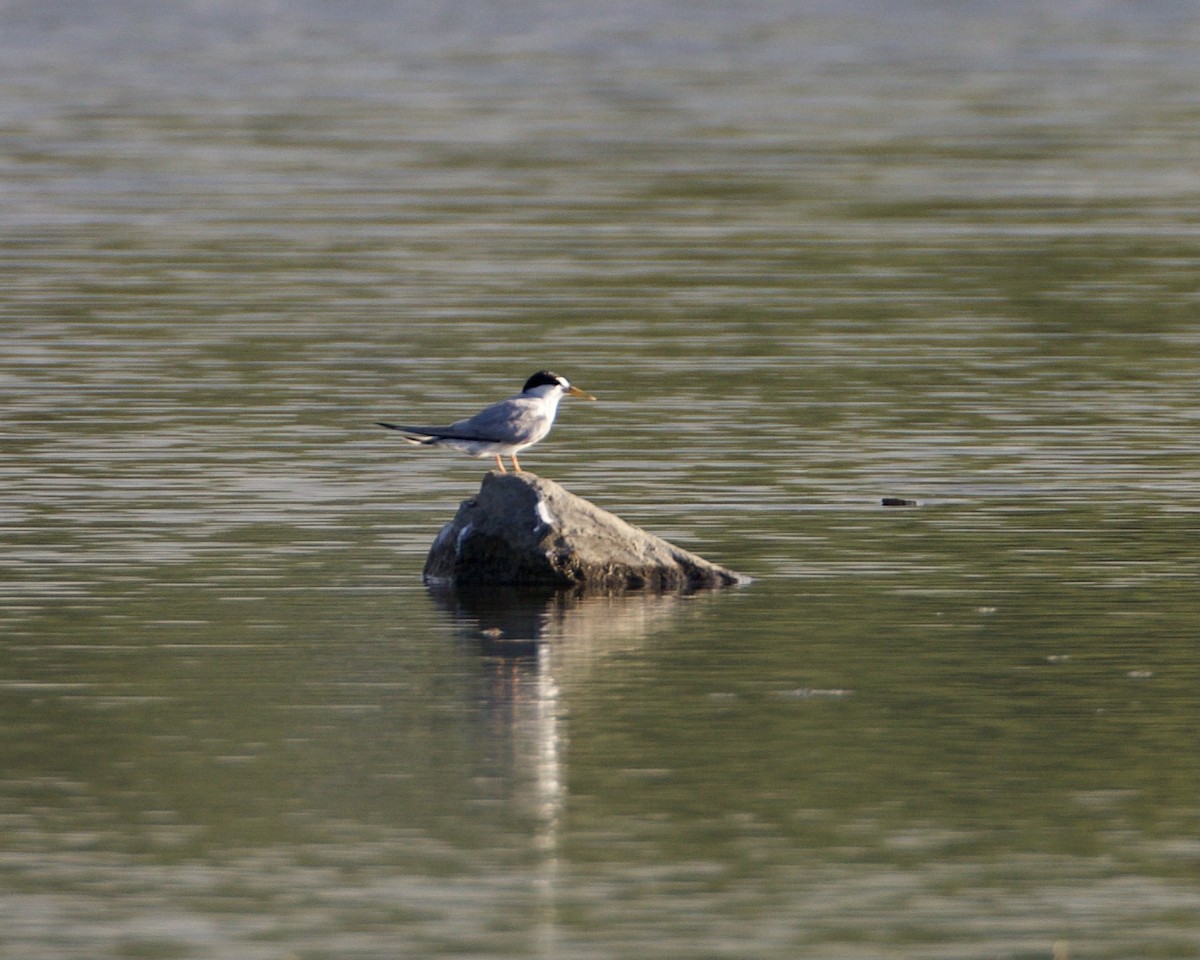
column 414, row 440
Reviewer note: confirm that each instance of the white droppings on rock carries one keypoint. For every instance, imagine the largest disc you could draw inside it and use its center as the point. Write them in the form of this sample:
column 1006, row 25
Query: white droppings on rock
column 544, row 514
column 460, row 539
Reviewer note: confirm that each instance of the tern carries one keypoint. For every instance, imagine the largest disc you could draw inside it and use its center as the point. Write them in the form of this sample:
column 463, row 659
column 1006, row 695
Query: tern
column 504, row 428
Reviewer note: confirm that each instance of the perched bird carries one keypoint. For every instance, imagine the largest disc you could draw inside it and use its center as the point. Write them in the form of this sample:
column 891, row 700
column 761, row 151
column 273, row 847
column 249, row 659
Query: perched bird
column 504, row 428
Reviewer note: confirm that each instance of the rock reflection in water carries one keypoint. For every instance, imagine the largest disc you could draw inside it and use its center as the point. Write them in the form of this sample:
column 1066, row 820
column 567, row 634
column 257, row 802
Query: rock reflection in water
column 535, row 641
column 519, row 622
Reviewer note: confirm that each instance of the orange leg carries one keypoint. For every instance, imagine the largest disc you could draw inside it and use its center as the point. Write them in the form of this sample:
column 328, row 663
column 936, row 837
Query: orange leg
column 517, row 464
column 500, row 464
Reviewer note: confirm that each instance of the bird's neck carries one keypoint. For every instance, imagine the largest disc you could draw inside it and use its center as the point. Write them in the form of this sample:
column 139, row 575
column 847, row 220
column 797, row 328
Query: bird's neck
column 550, row 396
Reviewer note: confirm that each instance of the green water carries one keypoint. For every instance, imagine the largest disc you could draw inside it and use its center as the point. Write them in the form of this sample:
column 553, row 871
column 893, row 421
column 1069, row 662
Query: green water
column 807, row 259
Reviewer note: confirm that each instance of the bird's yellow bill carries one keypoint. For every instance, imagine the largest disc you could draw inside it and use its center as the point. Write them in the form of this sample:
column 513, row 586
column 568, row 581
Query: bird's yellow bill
column 576, row 392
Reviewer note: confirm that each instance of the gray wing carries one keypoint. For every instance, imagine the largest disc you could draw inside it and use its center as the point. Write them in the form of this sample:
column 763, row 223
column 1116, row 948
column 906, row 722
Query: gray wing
column 510, row 421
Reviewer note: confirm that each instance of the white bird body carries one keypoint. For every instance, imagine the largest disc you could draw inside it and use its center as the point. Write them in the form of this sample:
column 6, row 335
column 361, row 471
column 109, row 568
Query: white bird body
column 504, row 428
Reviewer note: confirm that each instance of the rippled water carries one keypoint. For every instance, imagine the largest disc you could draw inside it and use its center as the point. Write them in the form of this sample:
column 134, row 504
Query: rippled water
column 808, row 256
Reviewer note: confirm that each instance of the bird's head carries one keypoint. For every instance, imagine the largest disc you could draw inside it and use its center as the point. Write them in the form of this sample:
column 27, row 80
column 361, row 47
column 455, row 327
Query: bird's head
column 544, row 378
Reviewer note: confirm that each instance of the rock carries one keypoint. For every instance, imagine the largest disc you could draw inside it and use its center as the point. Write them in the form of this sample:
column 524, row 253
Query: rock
column 523, row 529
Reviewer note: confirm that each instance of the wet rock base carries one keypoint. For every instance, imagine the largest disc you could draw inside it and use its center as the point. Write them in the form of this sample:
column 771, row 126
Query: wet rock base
column 521, row 529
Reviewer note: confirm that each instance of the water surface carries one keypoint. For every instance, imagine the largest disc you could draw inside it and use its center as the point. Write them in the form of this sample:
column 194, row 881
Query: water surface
column 808, row 256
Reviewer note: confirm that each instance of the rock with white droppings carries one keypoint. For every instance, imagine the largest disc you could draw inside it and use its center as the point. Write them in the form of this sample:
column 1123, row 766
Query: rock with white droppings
column 523, row 529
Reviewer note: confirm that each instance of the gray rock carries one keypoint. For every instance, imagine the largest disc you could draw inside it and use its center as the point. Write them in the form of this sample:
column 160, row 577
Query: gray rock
column 523, row 529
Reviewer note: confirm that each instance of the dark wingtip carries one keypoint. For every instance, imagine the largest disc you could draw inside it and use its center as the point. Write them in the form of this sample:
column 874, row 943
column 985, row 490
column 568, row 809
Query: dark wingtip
column 390, row 426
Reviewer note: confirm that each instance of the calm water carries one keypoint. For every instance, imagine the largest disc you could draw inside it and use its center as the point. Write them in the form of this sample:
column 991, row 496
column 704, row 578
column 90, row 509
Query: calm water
column 808, row 255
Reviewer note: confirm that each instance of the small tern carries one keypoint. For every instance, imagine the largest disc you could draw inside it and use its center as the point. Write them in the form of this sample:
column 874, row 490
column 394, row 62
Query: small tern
column 504, row 428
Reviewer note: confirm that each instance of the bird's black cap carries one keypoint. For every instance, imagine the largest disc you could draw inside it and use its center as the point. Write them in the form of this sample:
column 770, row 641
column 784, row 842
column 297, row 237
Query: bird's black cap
column 544, row 378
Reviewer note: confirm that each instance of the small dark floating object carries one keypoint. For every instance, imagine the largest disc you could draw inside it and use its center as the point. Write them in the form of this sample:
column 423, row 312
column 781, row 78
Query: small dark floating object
column 521, row 529
column 898, row 502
